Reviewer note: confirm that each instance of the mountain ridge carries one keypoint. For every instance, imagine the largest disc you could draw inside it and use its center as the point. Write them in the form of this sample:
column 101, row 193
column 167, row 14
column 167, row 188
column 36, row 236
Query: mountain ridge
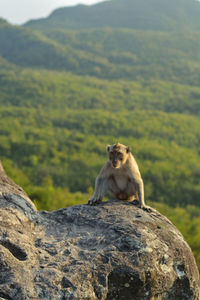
column 158, row 15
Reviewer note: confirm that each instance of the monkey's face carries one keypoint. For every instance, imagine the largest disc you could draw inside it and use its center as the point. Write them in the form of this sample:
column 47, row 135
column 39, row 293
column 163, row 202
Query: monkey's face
column 118, row 154
column 117, row 159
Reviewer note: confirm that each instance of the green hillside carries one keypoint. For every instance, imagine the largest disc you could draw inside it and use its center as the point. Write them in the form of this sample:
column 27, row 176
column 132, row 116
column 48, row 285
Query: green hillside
column 25, row 47
column 158, row 15
column 54, row 128
column 49, row 115
column 106, row 53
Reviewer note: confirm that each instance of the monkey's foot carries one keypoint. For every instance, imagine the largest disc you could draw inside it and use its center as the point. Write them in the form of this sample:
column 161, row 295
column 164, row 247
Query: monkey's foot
column 135, row 202
column 146, row 208
column 94, row 201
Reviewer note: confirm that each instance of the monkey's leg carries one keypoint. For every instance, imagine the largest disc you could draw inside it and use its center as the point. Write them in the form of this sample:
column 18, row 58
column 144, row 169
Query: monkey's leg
column 101, row 187
column 130, row 190
column 135, row 190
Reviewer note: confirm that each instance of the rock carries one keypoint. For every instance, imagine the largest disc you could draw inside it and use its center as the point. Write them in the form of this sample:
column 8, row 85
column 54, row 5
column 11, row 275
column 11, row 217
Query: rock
column 110, row 251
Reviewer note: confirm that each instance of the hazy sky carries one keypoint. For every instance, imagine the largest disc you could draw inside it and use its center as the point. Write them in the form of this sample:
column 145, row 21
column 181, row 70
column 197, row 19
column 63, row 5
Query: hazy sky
column 20, row 11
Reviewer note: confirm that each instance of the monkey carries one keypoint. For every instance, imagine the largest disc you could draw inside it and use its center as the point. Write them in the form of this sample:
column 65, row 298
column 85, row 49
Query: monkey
column 120, row 177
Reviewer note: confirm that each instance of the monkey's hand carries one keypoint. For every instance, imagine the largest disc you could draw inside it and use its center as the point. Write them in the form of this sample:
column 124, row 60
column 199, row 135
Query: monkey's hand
column 94, row 201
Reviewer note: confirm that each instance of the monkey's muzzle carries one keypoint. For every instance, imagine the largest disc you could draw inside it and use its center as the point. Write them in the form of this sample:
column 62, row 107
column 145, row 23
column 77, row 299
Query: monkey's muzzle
column 114, row 164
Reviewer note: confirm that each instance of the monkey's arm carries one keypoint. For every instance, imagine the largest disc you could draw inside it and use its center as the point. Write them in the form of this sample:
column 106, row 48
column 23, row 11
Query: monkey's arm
column 101, row 186
column 140, row 191
column 138, row 182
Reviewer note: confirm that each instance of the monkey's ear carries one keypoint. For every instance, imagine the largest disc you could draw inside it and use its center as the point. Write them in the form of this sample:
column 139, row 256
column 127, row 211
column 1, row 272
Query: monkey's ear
column 108, row 148
column 128, row 149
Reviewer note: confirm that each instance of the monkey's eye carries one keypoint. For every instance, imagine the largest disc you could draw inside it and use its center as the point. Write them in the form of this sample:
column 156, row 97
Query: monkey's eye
column 111, row 155
column 120, row 156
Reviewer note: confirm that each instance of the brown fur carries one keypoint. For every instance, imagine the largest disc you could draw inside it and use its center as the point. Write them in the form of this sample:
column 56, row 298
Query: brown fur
column 120, row 176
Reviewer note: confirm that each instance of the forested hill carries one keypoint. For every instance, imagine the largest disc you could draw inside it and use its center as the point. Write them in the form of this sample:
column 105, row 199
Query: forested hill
column 116, row 39
column 159, row 15
column 106, row 52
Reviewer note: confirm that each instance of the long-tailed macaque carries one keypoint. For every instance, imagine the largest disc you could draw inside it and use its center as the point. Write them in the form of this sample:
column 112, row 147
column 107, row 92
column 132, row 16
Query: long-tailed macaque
column 120, row 176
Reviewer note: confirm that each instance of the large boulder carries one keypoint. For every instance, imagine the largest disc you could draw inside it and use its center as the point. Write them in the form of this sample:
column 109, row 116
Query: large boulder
column 110, row 251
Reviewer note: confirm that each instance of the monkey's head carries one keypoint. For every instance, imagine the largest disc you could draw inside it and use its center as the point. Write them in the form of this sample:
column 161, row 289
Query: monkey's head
column 118, row 154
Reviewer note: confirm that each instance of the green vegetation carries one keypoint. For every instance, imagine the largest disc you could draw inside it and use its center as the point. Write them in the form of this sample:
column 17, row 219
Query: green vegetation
column 54, row 128
column 65, row 94
column 68, row 136
column 114, row 54
column 138, row 14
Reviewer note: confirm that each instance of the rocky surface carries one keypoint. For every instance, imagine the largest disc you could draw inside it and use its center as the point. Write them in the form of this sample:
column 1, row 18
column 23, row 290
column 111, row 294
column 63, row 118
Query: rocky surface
column 110, row 251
